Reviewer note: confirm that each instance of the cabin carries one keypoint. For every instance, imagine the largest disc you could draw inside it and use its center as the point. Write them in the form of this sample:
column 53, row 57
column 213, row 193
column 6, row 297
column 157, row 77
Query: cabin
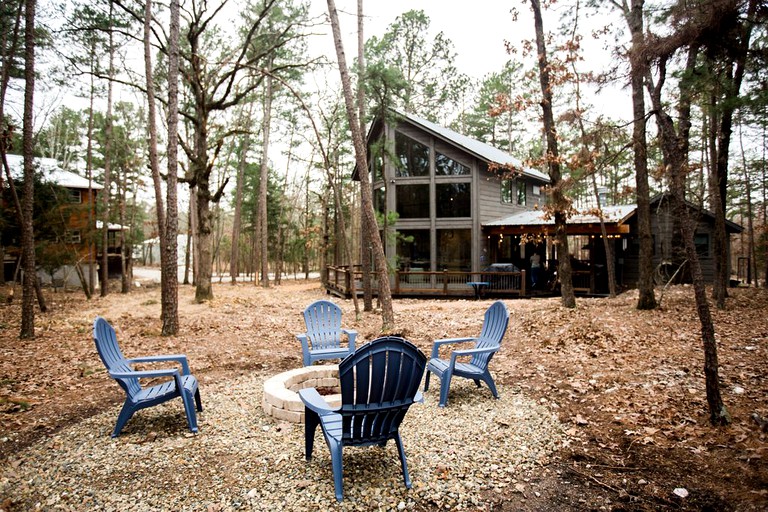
column 80, row 240
column 463, row 218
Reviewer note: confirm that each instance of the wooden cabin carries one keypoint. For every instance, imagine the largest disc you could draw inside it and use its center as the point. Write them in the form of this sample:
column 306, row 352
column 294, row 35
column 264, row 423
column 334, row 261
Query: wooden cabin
column 469, row 213
column 79, row 241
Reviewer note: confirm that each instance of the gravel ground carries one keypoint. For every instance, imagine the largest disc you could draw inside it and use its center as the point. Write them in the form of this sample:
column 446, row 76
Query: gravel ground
column 459, row 458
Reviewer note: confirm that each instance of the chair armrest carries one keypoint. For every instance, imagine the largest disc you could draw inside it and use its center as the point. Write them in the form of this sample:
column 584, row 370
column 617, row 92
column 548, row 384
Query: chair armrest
column 144, row 374
column 314, row 401
column 445, row 341
column 179, row 358
column 352, row 335
column 469, row 352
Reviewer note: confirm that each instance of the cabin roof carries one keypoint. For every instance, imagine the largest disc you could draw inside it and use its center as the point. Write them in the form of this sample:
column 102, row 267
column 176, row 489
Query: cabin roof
column 479, row 149
column 51, row 171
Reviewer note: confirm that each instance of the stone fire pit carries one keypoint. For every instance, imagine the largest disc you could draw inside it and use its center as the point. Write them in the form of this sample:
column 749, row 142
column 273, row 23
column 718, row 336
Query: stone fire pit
column 281, row 398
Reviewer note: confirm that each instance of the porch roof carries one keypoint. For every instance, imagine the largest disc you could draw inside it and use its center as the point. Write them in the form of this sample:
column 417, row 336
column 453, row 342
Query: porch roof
column 615, row 218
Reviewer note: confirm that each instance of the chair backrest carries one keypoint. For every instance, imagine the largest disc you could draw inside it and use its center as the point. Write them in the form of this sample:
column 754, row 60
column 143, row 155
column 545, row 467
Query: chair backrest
column 379, row 382
column 323, row 321
column 494, row 328
column 106, row 344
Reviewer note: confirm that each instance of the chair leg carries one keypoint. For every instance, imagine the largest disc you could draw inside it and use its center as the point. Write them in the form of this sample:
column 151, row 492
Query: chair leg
column 337, row 469
column 401, row 451
column 477, row 382
column 492, row 385
column 445, row 383
column 198, row 402
column 125, row 414
column 311, row 421
column 189, row 410
column 426, row 381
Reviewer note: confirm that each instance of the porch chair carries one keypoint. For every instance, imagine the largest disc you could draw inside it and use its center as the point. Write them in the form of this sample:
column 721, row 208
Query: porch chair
column 485, row 346
column 323, row 339
column 379, row 382
column 138, row 397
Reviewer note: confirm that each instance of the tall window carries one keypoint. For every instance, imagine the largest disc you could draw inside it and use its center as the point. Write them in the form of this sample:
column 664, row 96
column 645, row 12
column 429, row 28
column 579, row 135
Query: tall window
column 413, row 249
column 446, row 166
column 380, row 200
column 412, row 201
column 377, row 168
column 701, row 241
column 507, row 186
column 520, row 192
column 454, row 249
column 412, row 157
column 453, row 199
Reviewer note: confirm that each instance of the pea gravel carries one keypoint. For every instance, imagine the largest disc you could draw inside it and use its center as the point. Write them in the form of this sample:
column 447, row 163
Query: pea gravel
column 459, row 457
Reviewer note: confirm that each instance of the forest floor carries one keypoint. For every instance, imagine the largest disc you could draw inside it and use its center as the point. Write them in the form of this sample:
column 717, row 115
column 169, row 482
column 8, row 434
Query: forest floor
column 626, row 385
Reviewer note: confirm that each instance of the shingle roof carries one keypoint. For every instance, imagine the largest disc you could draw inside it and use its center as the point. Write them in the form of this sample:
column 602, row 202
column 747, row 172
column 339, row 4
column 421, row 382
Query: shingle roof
column 51, row 171
column 479, row 149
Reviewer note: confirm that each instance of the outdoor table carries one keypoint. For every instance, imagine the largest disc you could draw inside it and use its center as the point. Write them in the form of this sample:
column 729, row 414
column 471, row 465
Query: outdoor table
column 478, row 286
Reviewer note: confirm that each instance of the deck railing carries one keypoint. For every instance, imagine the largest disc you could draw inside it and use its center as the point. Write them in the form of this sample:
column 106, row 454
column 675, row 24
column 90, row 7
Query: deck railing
column 433, row 284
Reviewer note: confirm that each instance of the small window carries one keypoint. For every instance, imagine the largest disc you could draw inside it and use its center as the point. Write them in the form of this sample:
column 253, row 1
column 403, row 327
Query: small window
column 73, row 236
column 446, row 166
column 75, row 195
column 536, row 189
column 507, row 186
column 701, row 241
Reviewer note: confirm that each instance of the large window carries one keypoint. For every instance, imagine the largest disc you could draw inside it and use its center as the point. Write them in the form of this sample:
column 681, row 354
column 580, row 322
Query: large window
column 446, row 166
column 380, row 200
column 413, row 201
column 454, row 249
column 413, row 249
column 377, row 168
column 412, row 157
column 453, row 199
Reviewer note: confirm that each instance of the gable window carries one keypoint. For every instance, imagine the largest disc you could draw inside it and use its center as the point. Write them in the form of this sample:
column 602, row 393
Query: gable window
column 520, row 192
column 507, row 186
column 453, row 199
column 446, row 166
column 412, row 157
column 412, row 201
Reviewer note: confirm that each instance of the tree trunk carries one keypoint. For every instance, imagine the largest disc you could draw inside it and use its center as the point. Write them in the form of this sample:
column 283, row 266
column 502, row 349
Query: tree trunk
column 366, row 203
column 638, row 68
column 107, row 164
column 234, row 259
column 559, row 202
column 27, row 233
column 263, row 184
column 365, row 253
column 170, row 293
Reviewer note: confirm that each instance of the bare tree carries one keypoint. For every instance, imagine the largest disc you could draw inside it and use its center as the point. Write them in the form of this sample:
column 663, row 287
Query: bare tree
column 361, row 159
column 559, row 203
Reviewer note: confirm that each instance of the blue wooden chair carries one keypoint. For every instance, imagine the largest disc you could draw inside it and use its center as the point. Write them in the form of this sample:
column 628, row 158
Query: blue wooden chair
column 379, row 382
column 486, row 345
column 138, row 397
column 324, row 333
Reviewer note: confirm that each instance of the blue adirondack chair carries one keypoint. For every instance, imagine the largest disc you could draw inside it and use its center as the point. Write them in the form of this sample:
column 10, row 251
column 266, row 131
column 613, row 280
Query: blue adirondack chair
column 379, row 382
column 138, row 397
column 323, row 337
column 486, row 345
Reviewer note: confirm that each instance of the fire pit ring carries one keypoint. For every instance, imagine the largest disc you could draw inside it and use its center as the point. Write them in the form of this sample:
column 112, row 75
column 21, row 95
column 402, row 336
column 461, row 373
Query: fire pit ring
column 281, row 398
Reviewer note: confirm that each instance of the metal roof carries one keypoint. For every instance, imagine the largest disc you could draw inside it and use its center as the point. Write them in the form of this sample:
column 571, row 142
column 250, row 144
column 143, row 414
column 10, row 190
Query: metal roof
column 51, row 171
column 611, row 214
column 479, row 149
